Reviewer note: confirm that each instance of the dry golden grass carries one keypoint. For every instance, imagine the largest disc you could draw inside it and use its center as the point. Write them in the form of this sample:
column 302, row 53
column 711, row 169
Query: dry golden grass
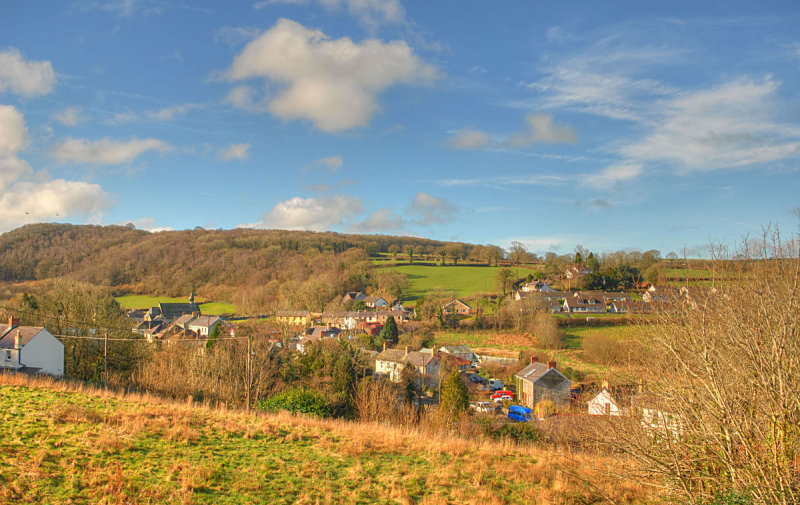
column 107, row 447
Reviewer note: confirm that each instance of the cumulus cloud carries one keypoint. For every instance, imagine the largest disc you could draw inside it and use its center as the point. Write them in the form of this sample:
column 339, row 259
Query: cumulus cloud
column 25, row 198
column 542, row 129
column 378, row 221
column 468, row 139
column 329, row 164
column 26, row 78
column 105, row 151
column 333, row 83
column 316, row 213
column 13, row 133
column 69, row 116
column 169, row 113
column 234, row 152
column 430, row 209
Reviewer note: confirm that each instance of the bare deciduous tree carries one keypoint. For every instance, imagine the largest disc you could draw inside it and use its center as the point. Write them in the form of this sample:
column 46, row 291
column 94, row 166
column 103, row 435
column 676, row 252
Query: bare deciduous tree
column 720, row 412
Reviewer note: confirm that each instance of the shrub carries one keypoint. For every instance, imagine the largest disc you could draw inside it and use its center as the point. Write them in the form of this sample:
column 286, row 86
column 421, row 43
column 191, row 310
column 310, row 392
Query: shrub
column 303, row 401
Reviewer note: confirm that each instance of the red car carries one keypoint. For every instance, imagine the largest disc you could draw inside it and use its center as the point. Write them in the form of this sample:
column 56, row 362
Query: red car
column 500, row 394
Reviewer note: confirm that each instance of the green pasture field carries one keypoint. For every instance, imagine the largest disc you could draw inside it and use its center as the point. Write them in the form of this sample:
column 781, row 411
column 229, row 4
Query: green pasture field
column 145, row 302
column 461, row 280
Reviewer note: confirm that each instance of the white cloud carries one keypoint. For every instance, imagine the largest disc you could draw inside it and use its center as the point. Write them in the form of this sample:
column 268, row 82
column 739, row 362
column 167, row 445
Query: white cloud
column 13, row 133
column 510, row 180
column 168, row 113
column 26, row 78
column 378, row 221
column 537, row 245
column 235, row 35
column 333, row 83
column 69, row 116
column 11, row 170
column 370, row 13
column 612, row 176
column 234, row 152
column 316, row 213
column 468, row 139
column 24, row 201
column 430, row 209
column 146, row 224
column 542, row 129
column 30, row 202
column 330, row 164
column 105, row 151
column 728, row 126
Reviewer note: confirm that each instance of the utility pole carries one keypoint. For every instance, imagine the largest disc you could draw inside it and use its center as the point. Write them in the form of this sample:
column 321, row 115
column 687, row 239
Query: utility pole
column 249, row 369
column 105, row 360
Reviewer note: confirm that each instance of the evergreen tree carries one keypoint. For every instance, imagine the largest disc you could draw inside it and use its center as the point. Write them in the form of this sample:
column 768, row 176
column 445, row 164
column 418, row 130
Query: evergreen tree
column 454, row 398
column 389, row 333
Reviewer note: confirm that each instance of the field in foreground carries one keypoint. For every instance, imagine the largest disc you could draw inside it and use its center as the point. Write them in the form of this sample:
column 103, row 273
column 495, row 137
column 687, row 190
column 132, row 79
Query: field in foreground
column 63, row 444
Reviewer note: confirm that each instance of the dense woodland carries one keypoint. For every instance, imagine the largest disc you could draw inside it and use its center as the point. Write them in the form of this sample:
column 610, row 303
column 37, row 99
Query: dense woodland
column 301, row 269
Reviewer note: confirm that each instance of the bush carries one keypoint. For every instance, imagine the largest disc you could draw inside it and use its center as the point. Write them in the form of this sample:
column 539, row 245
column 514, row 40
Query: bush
column 303, row 401
column 600, row 349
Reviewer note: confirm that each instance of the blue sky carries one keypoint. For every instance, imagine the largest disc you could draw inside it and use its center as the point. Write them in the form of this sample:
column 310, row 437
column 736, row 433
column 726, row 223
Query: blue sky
column 665, row 125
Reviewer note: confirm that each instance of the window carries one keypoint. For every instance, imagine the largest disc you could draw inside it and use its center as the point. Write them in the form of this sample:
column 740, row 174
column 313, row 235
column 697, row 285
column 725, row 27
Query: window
column 8, row 355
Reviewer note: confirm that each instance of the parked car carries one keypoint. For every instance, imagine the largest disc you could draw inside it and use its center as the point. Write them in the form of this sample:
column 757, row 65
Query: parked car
column 498, row 394
column 500, row 399
column 495, row 384
column 520, row 414
column 485, row 407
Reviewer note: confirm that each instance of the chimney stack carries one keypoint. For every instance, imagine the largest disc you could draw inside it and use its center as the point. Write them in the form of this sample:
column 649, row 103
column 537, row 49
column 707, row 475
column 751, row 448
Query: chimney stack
column 605, row 383
column 384, row 346
column 12, row 322
column 534, row 359
column 406, row 350
column 17, row 340
column 551, row 364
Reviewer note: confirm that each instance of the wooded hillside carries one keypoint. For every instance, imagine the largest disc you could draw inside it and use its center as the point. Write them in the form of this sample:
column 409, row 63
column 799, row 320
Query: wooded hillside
column 302, row 269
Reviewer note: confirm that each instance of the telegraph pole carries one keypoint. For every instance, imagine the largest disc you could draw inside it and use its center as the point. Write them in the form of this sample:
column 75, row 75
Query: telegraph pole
column 249, row 369
column 105, row 360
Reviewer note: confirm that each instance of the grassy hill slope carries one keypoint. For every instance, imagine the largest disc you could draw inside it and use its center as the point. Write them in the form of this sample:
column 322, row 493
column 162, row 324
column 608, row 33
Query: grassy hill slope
column 63, row 444
column 462, row 280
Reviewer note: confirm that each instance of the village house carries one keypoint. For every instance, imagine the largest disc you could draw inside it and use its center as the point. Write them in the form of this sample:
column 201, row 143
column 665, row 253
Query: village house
column 375, row 302
column 204, row 326
column 660, row 294
column 315, row 334
column 461, row 351
column 584, row 304
column 577, row 271
column 538, row 382
column 30, row 349
column 293, row 318
column 353, row 296
column 536, row 286
column 392, row 362
column 611, row 401
column 458, row 308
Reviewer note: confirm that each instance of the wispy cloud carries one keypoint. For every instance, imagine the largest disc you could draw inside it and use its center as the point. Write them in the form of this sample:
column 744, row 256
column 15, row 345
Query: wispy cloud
column 171, row 112
column 234, row 152
column 468, row 139
column 106, row 151
column 429, row 209
column 329, row 164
